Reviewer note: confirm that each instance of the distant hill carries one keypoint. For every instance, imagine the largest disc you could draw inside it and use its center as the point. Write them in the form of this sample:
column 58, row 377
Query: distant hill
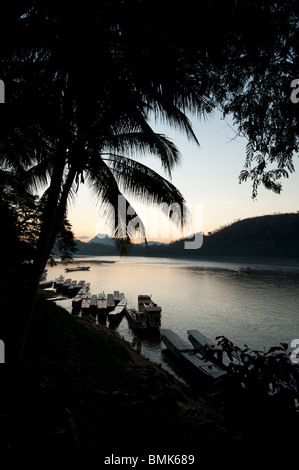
column 103, row 239
column 267, row 236
column 110, row 241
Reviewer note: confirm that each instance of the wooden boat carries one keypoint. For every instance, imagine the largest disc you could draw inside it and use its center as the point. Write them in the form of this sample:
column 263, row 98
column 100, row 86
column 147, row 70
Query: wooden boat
column 116, row 296
column 116, row 314
column 78, row 268
column 151, row 311
column 59, row 281
column 244, row 270
column 72, row 287
column 85, row 305
column 45, row 284
column 102, row 303
column 136, row 319
column 78, row 299
column 85, row 288
column 64, row 287
column 199, row 341
column 93, row 303
column 194, row 362
column 110, row 302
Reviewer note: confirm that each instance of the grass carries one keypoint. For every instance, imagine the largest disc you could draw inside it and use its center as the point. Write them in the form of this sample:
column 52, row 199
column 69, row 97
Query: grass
column 83, row 389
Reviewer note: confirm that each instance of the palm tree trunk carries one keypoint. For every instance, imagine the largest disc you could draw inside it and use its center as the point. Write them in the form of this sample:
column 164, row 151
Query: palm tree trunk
column 47, row 228
column 47, row 233
column 61, row 209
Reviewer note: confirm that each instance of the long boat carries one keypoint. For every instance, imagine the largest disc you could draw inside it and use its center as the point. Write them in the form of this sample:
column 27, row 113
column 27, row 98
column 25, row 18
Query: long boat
column 117, row 296
column 116, row 314
column 72, row 288
column 136, row 319
column 110, row 302
column 195, row 363
column 78, row 268
column 200, row 343
column 85, row 306
column 64, row 287
column 151, row 310
column 82, row 294
column 58, row 282
column 102, row 303
column 93, row 303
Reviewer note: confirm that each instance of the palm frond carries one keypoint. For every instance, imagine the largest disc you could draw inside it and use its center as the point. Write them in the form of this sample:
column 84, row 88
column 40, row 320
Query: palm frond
column 147, row 185
column 124, row 222
column 148, row 142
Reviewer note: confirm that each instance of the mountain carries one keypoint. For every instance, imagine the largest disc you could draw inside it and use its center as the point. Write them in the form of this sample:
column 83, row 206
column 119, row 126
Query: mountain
column 103, row 239
column 264, row 236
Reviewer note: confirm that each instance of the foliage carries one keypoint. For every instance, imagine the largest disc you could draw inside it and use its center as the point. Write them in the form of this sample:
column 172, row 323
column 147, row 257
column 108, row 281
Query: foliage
column 261, row 389
column 22, row 212
column 82, row 85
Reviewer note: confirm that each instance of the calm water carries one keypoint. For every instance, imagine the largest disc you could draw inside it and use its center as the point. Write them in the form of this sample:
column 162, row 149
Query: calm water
column 260, row 309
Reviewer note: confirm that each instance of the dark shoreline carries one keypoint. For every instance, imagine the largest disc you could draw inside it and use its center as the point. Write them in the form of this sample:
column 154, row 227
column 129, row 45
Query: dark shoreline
column 258, row 263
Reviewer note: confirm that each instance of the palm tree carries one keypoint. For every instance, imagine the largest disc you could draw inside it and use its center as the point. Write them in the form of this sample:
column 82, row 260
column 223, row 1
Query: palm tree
column 91, row 125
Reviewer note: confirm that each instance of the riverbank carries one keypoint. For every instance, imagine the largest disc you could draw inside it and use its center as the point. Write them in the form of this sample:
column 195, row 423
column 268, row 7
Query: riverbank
column 82, row 389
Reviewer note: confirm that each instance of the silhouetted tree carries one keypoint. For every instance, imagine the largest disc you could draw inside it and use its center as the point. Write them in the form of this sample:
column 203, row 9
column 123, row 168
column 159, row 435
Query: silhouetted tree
column 83, row 83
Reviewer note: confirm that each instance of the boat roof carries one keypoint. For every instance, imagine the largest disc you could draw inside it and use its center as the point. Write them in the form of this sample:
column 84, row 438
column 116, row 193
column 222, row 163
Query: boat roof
column 208, row 367
column 173, row 338
column 200, row 338
column 152, row 309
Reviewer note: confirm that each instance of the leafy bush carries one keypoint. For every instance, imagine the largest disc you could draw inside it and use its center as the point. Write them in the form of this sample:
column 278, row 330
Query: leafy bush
column 259, row 397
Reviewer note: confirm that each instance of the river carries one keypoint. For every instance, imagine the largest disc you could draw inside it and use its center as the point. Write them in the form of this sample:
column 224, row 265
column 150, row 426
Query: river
column 260, row 309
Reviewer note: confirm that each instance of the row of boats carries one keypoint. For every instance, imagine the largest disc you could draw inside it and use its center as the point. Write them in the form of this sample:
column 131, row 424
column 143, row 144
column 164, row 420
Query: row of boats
column 112, row 305
column 147, row 315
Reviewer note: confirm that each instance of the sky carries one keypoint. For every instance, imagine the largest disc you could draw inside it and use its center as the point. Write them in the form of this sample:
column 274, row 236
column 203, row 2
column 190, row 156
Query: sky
column 208, row 179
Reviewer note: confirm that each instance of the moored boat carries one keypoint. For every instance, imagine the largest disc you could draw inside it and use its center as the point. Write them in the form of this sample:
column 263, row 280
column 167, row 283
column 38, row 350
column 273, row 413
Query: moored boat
column 85, row 305
column 110, row 302
column 136, row 319
column 244, row 270
column 72, row 288
column 195, row 363
column 78, row 268
column 64, row 286
column 117, row 297
column 116, row 314
column 200, row 341
column 93, row 303
column 151, row 310
column 219, row 357
column 46, row 284
column 102, row 303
